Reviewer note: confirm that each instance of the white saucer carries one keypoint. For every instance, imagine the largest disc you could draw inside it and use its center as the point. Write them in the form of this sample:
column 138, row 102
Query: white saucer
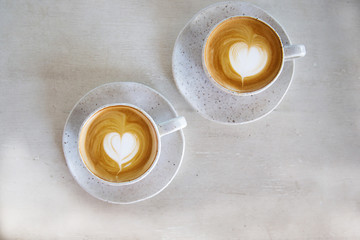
column 159, row 108
column 200, row 92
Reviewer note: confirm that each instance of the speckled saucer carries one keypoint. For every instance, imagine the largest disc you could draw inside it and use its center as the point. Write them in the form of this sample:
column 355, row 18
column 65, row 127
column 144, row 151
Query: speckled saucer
column 207, row 99
column 159, row 108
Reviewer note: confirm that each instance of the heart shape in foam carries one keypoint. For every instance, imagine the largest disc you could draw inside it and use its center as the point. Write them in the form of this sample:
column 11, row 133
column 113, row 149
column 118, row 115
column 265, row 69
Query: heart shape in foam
column 121, row 148
column 247, row 60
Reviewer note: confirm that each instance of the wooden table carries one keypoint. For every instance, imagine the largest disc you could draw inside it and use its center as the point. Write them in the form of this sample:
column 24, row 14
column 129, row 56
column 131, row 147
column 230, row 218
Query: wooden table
column 294, row 174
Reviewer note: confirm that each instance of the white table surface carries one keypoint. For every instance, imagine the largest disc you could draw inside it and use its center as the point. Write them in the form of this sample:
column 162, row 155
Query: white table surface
column 294, row 174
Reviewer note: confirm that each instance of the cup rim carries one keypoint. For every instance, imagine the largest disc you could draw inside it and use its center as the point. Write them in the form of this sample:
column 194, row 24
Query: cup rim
column 218, row 85
column 158, row 138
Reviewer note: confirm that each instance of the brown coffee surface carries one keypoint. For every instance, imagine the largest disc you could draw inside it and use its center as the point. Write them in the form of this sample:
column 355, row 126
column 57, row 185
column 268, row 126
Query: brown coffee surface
column 123, row 122
column 240, row 46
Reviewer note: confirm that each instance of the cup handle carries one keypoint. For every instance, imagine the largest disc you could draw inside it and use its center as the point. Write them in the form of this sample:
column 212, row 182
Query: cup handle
column 171, row 125
column 294, row 51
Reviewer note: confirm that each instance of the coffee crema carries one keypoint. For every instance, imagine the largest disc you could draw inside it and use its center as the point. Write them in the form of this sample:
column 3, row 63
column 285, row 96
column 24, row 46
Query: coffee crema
column 118, row 143
column 243, row 54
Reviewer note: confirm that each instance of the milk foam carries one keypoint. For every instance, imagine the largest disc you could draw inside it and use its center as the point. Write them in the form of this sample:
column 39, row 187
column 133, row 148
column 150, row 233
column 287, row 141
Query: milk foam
column 118, row 143
column 121, row 149
column 243, row 54
column 247, row 60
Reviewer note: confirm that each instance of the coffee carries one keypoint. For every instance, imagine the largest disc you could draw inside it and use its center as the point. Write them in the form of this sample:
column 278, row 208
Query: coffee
column 243, row 54
column 118, row 143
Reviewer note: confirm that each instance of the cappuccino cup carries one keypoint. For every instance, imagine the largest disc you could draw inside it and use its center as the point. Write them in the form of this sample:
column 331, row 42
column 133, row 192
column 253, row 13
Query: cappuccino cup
column 243, row 55
column 120, row 143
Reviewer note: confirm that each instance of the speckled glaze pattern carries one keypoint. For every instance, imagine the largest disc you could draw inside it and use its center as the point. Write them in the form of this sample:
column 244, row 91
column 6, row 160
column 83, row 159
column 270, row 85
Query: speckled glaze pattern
column 210, row 101
column 158, row 108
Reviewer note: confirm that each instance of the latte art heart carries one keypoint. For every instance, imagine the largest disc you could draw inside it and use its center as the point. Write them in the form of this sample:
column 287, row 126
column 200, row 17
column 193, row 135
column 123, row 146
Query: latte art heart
column 121, row 148
column 247, row 60
column 118, row 143
column 243, row 54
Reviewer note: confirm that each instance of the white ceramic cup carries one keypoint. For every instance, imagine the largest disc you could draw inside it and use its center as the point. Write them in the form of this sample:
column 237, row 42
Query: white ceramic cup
column 289, row 52
column 161, row 129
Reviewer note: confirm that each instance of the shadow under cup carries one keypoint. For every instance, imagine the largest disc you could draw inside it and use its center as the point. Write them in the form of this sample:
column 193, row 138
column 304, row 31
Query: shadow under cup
column 243, row 55
column 119, row 144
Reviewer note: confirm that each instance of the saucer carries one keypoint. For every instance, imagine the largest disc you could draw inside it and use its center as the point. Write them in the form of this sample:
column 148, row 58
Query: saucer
column 159, row 108
column 200, row 92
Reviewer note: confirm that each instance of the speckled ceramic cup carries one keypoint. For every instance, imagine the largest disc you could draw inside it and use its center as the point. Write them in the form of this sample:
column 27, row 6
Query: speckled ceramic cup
column 160, row 130
column 288, row 52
